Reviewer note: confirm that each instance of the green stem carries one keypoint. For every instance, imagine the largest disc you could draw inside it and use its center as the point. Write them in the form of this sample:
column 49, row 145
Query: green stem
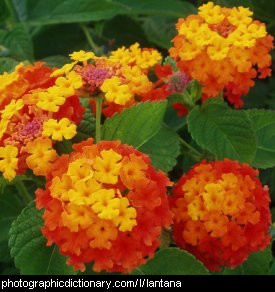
column 22, row 190
column 98, row 101
column 196, row 153
column 89, row 37
column 10, row 8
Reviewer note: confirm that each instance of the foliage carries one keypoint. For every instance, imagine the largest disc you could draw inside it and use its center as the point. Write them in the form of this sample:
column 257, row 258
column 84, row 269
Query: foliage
column 35, row 30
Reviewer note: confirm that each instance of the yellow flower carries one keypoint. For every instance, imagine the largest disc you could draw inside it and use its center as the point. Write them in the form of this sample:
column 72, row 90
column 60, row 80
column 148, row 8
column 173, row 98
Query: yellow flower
column 126, row 219
column 3, row 127
column 102, row 233
column 12, row 108
column 51, row 100
column 196, row 209
column 190, row 51
column 79, row 170
column 76, row 216
column 148, row 59
column 69, row 84
column 9, row 161
column 190, row 29
column 108, row 167
column 82, row 56
column 137, row 81
column 105, row 205
column 60, row 187
column 240, row 15
column 122, row 56
column 116, row 92
column 213, row 196
column 219, row 50
column 82, row 193
column 42, row 156
column 211, row 13
column 59, row 130
column 64, row 70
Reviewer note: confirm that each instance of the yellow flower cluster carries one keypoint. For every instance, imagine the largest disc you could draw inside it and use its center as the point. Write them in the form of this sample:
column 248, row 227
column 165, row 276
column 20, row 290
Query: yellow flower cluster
column 221, row 31
column 82, row 186
column 121, row 76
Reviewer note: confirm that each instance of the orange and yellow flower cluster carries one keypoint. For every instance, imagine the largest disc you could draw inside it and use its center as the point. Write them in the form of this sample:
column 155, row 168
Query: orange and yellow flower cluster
column 224, row 49
column 122, row 77
column 221, row 213
column 105, row 203
column 36, row 109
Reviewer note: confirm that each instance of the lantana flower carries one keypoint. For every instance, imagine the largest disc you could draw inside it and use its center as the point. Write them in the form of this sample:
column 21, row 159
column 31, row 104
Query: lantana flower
column 36, row 106
column 221, row 213
column 104, row 203
column 224, row 49
column 122, row 77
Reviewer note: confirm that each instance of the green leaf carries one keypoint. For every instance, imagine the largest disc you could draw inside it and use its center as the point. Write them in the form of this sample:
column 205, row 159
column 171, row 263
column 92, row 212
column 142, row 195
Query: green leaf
column 225, row 132
column 264, row 124
column 163, row 149
column 272, row 270
column 86, row 128
column 124, row 35
column 7, row 65
column 4, row 13
column 63, row 147
column 174, row 8
column 257, row 264
column 10, row 208
column 142, row 127
column 60, row 39
column 42, row 12
column 172, row 261
column 137, row 125
column 19, row 43
column 160, row 30
column 29, row 250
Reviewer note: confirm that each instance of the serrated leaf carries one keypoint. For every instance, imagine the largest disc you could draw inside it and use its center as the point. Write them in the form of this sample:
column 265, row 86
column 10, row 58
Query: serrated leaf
column 225, row 132
column 42, row 12
column 163, row 149
column 19, row 43
column 172, row 261
column 137, row 125
column 264, row 124
column 257, row 264
column 10, row 208
column 29, row 250
column 7, row 64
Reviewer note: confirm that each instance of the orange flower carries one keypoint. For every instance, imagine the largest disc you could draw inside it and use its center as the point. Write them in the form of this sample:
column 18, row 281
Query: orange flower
column 221, row 213
column 220, row 47
column 105, row 199
column 23, row 122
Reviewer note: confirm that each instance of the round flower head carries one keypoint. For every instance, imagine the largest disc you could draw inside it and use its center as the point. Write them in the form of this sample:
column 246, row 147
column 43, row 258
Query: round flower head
column 221, row 213
column 105, row 204
column 223, row 49
column 34, row 107
column 122, row 78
